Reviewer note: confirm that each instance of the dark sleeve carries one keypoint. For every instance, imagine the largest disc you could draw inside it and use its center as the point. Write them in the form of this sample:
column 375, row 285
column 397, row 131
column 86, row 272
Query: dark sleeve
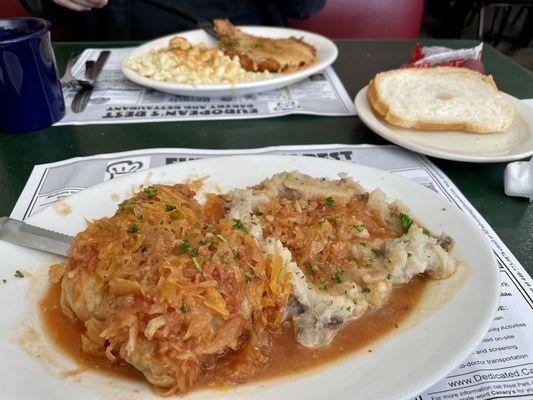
column 300, row 9
column 46, row 9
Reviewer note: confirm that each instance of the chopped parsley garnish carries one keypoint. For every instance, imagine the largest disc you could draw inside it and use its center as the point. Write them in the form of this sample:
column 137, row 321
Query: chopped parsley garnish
column 224, row 257
column 193, row 251
column 360, row 227
column 234, row 254
column 310, row 270
column 337, row 276
column 425, row 231
column 249, row 275
column 182, row 248
column 323, row 283
column 396, row 325
column 169, row 207
column 197, row 265
column 321, row 221
column 237, row 224
column 144, row 249
column 349, row 308
column 330, row 201
column 255, row 311
column 406, row 221
column 184, row 309
column 377, row 252
column 389, row 277
column 19, row 274
column 289, row 176
column 133, row 228
column 151, row 191
column 355, row 301
column 365, row 290
column 228, row 43
column 409, row 254
column 221, row 238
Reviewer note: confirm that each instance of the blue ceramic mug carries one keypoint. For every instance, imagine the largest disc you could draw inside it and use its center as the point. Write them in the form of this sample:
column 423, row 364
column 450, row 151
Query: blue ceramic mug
column 30, row 92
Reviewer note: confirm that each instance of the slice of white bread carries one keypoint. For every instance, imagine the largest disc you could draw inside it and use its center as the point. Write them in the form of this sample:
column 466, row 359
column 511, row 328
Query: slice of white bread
column 441, row 98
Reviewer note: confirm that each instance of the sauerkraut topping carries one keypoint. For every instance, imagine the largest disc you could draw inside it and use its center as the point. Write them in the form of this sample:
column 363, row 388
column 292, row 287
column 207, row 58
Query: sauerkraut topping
column 167, row 287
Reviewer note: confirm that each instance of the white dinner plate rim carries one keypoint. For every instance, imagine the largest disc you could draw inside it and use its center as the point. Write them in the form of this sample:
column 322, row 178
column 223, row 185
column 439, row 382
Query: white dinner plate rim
column 214, row 89
column 380, row 128
column 339, row 166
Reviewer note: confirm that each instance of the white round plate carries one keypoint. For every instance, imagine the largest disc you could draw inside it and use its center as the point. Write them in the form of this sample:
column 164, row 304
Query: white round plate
column 513, row 144
column 326, row 55
column 403, row 364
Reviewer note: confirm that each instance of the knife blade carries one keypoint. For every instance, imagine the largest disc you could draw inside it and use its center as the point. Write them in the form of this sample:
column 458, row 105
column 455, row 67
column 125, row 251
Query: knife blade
column 93, row 70
column 33, row 237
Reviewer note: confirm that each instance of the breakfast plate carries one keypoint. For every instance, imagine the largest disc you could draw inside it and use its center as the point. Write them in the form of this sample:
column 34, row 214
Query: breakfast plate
column 451, row 319
column 514, row 143
column 326, row 55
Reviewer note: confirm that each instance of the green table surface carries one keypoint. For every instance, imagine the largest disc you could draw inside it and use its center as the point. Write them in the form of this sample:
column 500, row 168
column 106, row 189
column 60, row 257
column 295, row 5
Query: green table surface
column 358, row 61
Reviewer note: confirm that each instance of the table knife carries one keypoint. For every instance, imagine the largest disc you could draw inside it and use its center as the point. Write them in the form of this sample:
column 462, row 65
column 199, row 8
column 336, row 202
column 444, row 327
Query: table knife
column 93, row 70
column 201, row 23
column 33, row 237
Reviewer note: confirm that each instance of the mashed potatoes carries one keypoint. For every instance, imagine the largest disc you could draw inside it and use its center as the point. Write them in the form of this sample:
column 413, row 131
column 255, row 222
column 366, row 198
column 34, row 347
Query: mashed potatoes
column 196, row 64
column 348, row 249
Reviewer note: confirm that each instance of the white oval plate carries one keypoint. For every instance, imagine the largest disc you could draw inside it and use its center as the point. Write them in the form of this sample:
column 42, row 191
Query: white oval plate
column 403, row 364
column 513, row 144
column 326, row 55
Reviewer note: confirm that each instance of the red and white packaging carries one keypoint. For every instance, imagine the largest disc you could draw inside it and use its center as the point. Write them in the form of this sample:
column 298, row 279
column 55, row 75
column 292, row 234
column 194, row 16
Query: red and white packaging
column 437, row 56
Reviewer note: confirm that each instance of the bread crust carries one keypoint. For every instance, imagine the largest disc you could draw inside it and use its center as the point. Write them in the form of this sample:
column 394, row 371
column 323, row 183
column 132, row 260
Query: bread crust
column 382, row 108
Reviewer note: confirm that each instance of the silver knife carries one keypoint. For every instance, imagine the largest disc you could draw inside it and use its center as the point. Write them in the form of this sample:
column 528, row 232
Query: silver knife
column 93, row 70
column 22, row 234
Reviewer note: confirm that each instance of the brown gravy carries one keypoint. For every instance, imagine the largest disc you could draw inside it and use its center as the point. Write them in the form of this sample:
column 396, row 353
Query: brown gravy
column 287, row 356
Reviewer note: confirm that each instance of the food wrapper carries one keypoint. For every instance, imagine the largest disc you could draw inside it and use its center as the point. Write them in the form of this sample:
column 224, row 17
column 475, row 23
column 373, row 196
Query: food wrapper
column 437, row 56
column 518, row 179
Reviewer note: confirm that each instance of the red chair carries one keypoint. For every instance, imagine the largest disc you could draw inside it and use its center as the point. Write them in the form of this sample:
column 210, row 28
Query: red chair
column 12, row 8
column 369, row 19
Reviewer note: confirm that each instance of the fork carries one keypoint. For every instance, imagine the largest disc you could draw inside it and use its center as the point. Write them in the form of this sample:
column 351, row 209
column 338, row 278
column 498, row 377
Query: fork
column 69, row 80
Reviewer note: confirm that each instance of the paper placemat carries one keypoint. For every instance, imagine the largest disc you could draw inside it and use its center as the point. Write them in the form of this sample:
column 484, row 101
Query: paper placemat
column 501, row 367
column 118, row 100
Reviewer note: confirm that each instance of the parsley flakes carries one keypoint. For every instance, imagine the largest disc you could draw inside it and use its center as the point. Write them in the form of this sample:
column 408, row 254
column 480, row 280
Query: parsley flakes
column 406, row 221
column 249, row 275
column 238, row 224
column 182, row 248
column 169, row 207
column 330, row 201
column 221, row 238
column 133, row 228
column 151, row 191
column 19, row 274
column 377, row 252
column 197, row 265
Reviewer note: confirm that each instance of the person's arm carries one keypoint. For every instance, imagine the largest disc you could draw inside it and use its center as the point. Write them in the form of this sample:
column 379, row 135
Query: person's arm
column 299, row 9
column 36, row 7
